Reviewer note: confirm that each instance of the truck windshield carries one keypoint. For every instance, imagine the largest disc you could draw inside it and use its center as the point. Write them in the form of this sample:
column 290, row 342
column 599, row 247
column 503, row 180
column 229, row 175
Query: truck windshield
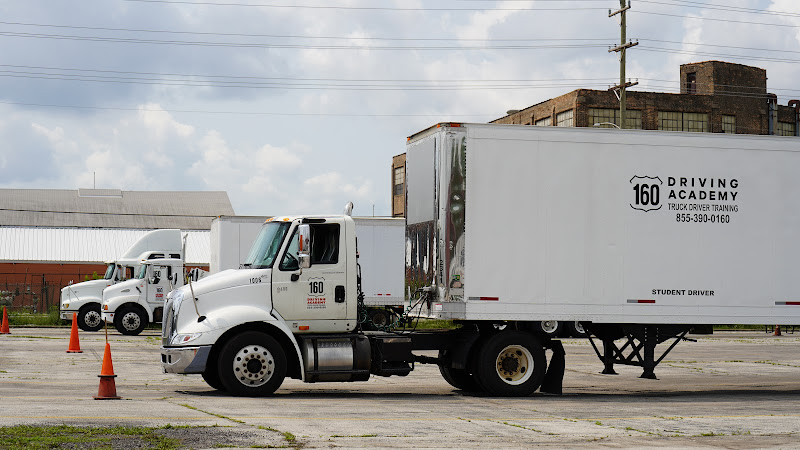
column 142, row 272
column 110, row 271
column 266, row 246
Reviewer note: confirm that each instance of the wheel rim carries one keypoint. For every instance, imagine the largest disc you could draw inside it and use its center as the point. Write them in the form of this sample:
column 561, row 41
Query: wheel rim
column 549, row 326
column 513, row 364
column 579, row 328
column 253, row 365
column 380, row 319
column 91, row 319
column 131, row 321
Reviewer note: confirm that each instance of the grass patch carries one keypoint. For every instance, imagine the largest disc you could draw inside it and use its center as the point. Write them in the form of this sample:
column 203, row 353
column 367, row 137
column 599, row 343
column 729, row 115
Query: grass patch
column 19, row 319
column 36, row 437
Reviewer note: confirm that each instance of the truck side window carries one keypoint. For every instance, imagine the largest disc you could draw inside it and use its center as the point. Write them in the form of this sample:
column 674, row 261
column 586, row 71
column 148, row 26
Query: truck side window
column 325, row 243
column 324, row 247
column 290, row 260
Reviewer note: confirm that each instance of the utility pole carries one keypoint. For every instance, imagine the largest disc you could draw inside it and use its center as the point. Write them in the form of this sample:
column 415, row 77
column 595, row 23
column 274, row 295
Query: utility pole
column 623, row 45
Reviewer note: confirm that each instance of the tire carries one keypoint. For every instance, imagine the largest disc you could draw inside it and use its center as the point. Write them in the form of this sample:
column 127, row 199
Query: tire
column 458, row 378
column 130, row 320
column 511, row 364
column 575, row 329
column 90, row 318
column 251, row 364
column 211, row 377
column 549, row 328
column 380, row 318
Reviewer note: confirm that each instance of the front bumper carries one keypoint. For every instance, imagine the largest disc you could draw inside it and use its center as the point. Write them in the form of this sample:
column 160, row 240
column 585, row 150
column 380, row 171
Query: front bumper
column 108, row 317
column 185, row 359
column 67, row 314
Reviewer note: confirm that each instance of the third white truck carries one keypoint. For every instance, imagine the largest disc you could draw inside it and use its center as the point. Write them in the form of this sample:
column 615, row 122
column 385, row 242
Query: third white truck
column 639, row 236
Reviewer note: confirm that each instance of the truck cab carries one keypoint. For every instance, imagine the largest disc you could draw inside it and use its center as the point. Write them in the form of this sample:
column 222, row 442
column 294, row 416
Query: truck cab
column 84, row 299
column 132, row 304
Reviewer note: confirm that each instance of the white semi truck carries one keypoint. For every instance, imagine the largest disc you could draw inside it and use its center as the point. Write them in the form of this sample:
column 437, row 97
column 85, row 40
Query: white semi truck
column 133, row 304
column 85, row 298
column 639, row 236
column 382, row 252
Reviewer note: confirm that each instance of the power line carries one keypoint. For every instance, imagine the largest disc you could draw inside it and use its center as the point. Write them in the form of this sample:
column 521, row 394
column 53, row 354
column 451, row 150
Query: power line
column 712, row 6
column 351, row 8
column 286, row 46
column 786, row 25
column 240, row 113
column 291, row 36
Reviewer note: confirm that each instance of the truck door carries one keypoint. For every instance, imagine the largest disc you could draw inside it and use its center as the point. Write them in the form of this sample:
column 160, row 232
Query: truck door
column 157, row 286
column 316, row 293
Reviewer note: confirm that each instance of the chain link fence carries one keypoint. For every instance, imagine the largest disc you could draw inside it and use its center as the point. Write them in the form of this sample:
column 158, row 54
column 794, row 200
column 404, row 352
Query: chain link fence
column 29, row 298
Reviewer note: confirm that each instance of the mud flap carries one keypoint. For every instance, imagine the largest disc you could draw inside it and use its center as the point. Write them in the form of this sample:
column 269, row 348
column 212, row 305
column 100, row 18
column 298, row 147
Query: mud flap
column 554, row 377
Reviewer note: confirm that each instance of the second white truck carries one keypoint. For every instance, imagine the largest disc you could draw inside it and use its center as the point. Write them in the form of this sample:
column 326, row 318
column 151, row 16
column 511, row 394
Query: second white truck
column 85, row 299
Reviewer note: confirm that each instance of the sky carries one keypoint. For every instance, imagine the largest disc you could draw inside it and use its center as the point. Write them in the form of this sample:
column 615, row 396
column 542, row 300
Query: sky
column 298, row 107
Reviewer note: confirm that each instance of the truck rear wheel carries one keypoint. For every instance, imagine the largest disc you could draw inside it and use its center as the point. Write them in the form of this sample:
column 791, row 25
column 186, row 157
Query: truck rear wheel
column 458, row 378
column 130, row 320
column 89, row 317
column 251, row 364
column 511, row 363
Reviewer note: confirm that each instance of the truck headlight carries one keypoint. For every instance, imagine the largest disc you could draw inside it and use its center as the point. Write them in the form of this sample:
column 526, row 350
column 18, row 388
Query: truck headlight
column 184, row 338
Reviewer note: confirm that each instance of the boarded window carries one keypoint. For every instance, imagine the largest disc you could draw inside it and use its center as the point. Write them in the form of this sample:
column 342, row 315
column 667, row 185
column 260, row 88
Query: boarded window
column 680, row 121
column 606, row 116
column 729, row 124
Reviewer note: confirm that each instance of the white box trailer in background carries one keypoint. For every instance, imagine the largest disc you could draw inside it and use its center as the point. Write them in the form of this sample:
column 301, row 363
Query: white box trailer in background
column 231, row 239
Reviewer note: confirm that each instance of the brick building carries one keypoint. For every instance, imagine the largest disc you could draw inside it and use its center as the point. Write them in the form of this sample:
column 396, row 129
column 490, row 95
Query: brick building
column 715, row 96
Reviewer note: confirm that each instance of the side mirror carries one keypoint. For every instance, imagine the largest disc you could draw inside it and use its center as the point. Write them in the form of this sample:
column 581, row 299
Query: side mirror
column 304, row 245
column 154, row 280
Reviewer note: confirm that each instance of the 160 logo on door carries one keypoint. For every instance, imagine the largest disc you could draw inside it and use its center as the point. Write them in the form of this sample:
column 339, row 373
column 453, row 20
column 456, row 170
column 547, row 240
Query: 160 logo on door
column 316, row 293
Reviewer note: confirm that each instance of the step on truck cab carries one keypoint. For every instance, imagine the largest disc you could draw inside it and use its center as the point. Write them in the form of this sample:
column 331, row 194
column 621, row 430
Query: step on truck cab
column 133, row 304
column 84, row 299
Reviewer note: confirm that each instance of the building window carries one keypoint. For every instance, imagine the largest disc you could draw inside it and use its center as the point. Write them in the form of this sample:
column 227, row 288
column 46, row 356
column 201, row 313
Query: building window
column 785, row 129
column 399, row 180
column 729, row 124
column 633, row 117
column 544, row 122
column 679, row 121
column 691, row 83
column 564, row 119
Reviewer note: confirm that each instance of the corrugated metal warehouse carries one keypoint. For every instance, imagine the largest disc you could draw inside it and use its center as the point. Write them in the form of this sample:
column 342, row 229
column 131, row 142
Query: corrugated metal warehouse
column 50, row 237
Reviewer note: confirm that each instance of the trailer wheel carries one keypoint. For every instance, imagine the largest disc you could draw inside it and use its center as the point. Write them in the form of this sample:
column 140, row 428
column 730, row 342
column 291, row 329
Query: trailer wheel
column 549, row 328
column 89, row 317
column 130, row 320
column 511, row 363
column 251, row 364
column 575, row 329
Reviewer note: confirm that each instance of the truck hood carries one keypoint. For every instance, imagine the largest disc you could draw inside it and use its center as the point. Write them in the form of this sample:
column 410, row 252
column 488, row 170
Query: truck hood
column 124, row 288
column 87, row 286
column 226, row 279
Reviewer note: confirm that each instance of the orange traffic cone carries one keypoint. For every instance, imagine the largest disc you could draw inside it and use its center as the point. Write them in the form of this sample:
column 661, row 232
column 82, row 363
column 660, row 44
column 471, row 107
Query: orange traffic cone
column 108, row 389
column 777, row 330
column 4, row 327
column 74, row 342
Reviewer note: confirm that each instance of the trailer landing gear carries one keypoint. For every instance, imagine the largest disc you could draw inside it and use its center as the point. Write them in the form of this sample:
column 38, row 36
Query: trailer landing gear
column 640, row 344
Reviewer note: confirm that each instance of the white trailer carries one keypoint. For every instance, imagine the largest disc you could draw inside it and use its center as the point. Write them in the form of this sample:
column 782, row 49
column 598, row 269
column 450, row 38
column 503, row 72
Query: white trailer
column 640, row 236
column 231, row 239
column 85, row 299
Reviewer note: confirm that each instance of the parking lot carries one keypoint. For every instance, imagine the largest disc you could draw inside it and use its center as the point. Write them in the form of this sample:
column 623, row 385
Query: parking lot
column 732, row 389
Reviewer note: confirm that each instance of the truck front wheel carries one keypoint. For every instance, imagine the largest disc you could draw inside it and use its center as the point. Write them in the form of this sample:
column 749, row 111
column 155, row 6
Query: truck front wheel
column 130, row 320
column 89, row 318
column 511, row 363
column 252, row 364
